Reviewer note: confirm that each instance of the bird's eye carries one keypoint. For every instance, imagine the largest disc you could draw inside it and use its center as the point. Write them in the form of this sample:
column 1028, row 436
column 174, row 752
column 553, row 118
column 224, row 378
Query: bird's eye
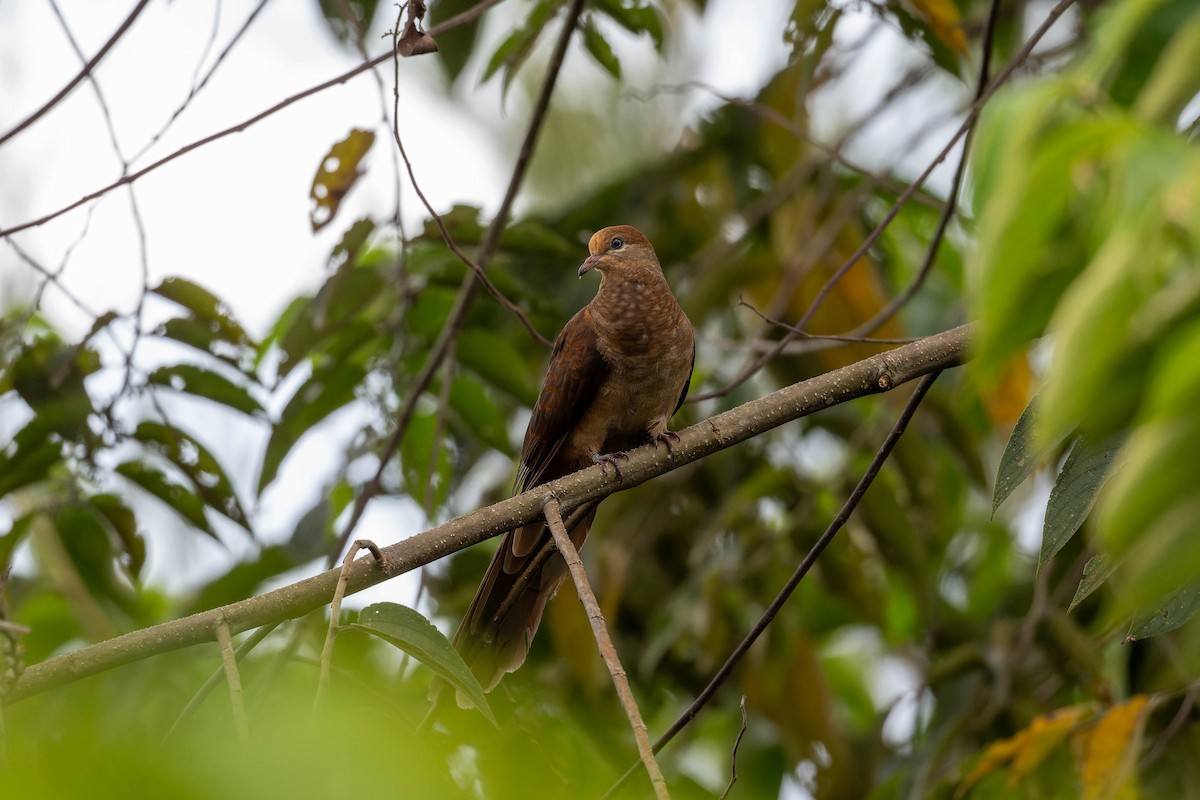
column 617, row 243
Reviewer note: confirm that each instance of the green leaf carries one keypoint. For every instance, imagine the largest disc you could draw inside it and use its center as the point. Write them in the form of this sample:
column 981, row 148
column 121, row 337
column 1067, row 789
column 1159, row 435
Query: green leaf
column 428, row 314
column 1095, row 572
column 313, row 534
column 338, row 306
column 479, row 413
column 29, row 457
column 515, row 49
column 498, row 362
column 636, row 17
column 199, row 465
column 121, row 520
column 1032, row 146
column 427, row 482
column 1176, row 610
column 205, row 307
column 1075, row 491
column 210, row 385
column 177, row 497
column 353, row 239
column 207, row 337
column 415, row 635
column 1020, row 457
column 48, row 375
column 600, row 49
column 349, row 20
column 330, row 387
column 1173, row 83
column 243, row 579
column 9, row 541
column 456, row 45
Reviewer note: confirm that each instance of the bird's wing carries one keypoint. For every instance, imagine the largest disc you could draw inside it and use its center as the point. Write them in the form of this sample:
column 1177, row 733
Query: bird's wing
column 573, row 378
column 687, row 382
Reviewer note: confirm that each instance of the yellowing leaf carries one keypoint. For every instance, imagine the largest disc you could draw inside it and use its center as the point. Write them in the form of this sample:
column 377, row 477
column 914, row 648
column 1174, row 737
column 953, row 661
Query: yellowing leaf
column 336, row 175
column 1028, row 748
column 1109, row 748
column 943, row 19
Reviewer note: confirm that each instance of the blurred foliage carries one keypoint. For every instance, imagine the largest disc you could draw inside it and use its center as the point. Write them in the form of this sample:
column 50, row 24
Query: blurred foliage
column 934, row 651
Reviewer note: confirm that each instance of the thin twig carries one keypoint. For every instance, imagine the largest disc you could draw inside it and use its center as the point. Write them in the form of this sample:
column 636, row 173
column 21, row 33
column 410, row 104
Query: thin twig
column 951, row 206
column 733, row 756
column 566, row 548
column 83, row 73
column 245, row 647
column 819, row 336
column 229, row 662
column 453, row 22
column 199, row 83
column 335, row 612
column 802, row 569
column 479, row 270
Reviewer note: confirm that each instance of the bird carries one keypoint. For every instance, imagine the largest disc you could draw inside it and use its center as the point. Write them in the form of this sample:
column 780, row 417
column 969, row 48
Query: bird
column 619, row 371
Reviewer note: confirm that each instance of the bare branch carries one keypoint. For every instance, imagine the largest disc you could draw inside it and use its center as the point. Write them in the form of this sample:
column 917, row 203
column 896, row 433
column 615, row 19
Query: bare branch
column 733, row 755
column 449, row 24
column 562, row 541
column 83, row 73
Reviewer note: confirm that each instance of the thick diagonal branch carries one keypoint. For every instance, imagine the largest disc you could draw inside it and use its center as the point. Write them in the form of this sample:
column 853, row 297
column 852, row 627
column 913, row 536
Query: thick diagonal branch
column 870, row 376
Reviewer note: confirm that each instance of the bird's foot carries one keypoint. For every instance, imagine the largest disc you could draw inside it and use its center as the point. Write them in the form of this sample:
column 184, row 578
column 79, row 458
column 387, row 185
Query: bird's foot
column 613, row 459
column 670, row 439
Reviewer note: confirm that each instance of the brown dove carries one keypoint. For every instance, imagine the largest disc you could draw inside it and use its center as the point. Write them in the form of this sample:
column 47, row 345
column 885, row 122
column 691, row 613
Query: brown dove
column 619, row 371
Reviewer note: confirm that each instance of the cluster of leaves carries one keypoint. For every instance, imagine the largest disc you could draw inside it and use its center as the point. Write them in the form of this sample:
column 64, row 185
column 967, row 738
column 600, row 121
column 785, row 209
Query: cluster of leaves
column 1105, row 261
column 1084, row 228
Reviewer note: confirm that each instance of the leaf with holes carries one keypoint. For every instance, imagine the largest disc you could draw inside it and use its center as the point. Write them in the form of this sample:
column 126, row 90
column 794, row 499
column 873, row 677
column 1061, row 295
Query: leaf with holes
column 198, row 381
column 336, row 175
column 406, row 629
column 121, row 520
column 178, row 498
column 199, row 465
column 205, row 307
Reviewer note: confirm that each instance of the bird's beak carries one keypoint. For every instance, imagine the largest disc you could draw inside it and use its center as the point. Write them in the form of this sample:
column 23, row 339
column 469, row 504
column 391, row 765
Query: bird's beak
column 588, row 264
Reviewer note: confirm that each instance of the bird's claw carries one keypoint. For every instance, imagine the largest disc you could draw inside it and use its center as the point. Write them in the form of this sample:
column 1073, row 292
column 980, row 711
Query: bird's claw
column 670, row 439
column 613, row 459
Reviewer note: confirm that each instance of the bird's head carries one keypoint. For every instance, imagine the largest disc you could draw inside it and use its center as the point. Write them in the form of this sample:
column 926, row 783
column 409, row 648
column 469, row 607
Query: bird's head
column 617, row 248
